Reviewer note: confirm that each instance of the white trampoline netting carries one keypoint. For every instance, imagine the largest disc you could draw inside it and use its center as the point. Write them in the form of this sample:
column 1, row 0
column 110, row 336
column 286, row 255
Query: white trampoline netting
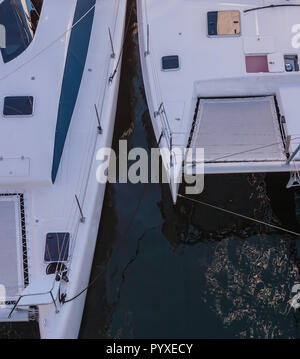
column 238, row 130
column 11, row 256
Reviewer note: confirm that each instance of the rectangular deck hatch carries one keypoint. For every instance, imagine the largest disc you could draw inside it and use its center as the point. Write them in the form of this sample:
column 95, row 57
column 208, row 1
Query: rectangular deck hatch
column 238, row 130
column 14, row 167
column 18, row 106
column 11, row 245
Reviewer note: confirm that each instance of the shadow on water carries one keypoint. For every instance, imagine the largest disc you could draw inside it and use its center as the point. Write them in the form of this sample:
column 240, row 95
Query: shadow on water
column 188, row 271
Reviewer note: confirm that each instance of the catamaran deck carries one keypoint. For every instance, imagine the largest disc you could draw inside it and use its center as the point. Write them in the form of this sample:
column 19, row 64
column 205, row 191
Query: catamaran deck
column 237, row 68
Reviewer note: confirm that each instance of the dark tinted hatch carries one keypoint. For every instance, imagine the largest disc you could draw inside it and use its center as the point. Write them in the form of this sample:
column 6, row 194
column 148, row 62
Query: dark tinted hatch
column 18, row 106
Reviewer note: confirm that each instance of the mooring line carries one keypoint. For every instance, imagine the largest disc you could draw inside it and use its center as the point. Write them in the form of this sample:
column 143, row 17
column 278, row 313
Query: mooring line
column 240, row 215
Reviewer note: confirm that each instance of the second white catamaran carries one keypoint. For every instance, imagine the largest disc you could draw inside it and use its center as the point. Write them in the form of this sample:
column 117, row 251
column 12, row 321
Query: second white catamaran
column 58, row 96
column 224, row 76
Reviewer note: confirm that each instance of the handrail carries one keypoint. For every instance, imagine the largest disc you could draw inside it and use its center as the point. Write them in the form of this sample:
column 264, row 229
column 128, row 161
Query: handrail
column 147, row 52
column 166, row 128
column 167, row 133
column 33, row 295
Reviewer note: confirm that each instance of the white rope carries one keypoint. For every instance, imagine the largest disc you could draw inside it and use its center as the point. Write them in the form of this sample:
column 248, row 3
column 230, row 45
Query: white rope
column 240, row 215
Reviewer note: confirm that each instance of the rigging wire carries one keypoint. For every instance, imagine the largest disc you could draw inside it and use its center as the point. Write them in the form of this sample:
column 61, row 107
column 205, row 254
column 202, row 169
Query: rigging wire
column 57, row 271
column 157, row 84
column 91, row 283
column 110, row 80
column 48, row 46
column 63, row 300
column 123, row 46
column 240, row 215
column 269, row 6
column 252, row 149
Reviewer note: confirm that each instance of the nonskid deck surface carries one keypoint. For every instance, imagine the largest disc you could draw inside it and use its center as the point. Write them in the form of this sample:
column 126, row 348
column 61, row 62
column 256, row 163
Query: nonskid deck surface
column 238, row 129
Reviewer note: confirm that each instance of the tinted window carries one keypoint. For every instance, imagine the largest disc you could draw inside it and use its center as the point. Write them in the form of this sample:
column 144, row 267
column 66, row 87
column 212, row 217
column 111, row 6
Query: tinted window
column 212, row 22
column 57, row 247
column 170, row 62
column 20, row 19
column 18, row 105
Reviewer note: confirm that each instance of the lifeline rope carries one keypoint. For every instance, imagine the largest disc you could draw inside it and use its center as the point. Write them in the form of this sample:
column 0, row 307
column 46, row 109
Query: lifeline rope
column 205, row 204
column 239, row 215
column 91, row 283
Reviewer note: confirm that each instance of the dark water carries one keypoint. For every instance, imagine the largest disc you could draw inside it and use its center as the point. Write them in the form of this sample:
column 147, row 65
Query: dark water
column 187, row 271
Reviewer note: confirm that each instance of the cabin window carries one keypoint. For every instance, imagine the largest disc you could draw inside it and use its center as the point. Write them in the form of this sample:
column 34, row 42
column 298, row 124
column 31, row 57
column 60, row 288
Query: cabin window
column 57, row 247
column 170, row 63
column 19, row 19
column 18, row 106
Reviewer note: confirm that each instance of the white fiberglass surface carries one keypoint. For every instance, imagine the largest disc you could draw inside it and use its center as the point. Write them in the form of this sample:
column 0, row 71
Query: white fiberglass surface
column 11, row 274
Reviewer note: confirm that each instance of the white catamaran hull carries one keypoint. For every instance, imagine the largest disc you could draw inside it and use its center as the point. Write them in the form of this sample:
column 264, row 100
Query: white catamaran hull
column 49, row 205
column 223, row 77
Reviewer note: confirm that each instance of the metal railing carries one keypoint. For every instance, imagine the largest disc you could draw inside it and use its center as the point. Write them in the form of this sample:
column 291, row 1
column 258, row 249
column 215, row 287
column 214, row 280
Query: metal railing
column 165, row 125
column 35, row 295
